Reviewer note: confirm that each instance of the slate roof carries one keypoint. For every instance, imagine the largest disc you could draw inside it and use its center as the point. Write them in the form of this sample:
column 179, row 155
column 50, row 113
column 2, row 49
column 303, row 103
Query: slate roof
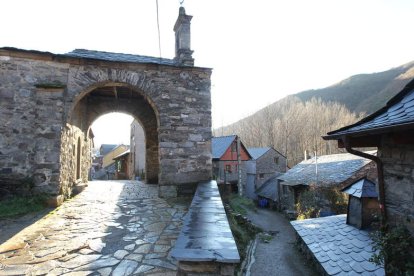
column 257, row 152
column 398, row 112
column 269, row 188
column 332, row 169
column 105, row 148
column 107, row 56
column 341, row 249
column 362, row 188
column 219, row 145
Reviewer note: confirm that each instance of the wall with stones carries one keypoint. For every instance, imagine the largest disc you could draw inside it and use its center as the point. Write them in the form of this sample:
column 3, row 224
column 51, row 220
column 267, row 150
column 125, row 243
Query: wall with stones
column 30, row 123
column 35, row 115
column 267, row 166
column 398, row 163
column 71, row 136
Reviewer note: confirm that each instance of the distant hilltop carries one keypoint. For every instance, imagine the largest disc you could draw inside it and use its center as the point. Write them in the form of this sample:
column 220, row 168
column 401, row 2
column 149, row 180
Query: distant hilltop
column 365, row 92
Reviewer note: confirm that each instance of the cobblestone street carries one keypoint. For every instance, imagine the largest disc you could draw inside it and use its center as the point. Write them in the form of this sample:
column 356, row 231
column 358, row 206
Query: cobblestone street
column 111, row 228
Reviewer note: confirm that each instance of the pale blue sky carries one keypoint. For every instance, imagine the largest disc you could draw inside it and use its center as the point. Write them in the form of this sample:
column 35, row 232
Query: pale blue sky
column 260, row 50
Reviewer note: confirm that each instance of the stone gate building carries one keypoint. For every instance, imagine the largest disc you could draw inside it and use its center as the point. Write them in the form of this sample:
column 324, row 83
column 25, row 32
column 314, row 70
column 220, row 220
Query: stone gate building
column 49, row 101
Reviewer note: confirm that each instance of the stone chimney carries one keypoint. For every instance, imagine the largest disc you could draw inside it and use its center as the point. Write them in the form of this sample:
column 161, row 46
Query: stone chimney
column 183, row 53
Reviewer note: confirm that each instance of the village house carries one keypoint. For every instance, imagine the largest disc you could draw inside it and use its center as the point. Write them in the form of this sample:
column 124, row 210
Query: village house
column 122, row 163
column 103, row 150
column 330, row 173
column 391, row 130
column 334, row 241
column 265, row 164
column 225, row 150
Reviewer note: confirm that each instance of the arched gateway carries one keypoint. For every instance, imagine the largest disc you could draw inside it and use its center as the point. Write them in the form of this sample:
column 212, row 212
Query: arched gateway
column 49, row 101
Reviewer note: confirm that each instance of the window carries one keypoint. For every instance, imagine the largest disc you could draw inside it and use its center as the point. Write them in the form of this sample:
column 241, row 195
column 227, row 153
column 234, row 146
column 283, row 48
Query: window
column 261, row 175
column 228, row 168
column 276, row 159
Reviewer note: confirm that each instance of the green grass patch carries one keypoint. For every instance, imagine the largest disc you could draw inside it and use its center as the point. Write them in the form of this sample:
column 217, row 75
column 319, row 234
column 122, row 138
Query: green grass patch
column 239, row 204
column 243, row 231
column 18, row 206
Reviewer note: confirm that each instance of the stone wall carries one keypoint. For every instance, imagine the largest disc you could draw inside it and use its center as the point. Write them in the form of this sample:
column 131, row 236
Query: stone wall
column 398, row 163
column 31, row 119
column 44, row 107
column 267, row 166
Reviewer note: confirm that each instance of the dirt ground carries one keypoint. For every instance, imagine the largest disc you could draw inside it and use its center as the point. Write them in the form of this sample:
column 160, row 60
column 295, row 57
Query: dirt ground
column 279, row 256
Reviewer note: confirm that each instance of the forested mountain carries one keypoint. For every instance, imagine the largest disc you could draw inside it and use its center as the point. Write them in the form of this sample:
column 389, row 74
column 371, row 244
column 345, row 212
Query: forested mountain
column 296, row 123
column 365, row 92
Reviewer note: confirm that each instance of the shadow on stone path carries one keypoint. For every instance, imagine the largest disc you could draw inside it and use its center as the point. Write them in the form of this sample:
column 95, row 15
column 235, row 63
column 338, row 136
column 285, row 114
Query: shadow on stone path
column 279, row 256
column 111, row 228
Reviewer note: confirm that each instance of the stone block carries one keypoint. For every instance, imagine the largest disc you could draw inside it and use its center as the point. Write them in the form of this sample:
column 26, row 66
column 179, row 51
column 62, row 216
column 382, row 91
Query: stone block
column 55, row 201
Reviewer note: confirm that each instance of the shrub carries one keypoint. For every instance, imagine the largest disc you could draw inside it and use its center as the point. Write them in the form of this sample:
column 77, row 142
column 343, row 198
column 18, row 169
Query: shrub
column 392, row 248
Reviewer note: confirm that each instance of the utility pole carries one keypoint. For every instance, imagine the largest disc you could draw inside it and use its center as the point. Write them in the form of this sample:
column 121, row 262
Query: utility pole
column 240, row 184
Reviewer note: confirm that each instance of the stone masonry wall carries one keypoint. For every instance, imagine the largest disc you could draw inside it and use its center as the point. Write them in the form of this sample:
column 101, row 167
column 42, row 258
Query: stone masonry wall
column 266, row 165
column 30, row 123
column 34, row 117
column 398, row 162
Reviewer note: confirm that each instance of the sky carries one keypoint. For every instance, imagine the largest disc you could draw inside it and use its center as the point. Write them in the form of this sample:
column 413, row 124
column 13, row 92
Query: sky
column 260, row 51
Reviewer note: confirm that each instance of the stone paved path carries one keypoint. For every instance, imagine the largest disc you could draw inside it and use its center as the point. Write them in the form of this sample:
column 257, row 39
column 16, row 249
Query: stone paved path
column 279, row 256
column 111, row 228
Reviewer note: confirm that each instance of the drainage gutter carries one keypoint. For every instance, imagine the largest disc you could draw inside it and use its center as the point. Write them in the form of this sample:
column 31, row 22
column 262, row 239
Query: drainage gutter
column 380, row 171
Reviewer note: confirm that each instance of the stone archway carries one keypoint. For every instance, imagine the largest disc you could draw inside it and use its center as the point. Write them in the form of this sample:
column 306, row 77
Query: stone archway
column 57, row 97
column 106, row 98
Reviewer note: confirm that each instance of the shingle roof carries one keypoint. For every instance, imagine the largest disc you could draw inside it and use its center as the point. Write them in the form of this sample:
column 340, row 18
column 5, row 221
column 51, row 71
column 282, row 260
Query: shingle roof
column 219, row 145
column 399, row 111
column 105, row 148
column 332, row 169
column 257, row 152
column 341, row 249
column 107, row 56
column 362, row 188
column 269, row 188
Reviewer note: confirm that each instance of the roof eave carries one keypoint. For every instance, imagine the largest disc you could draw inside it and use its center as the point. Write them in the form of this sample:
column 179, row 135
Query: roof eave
column 23, row 53
column 370, row 132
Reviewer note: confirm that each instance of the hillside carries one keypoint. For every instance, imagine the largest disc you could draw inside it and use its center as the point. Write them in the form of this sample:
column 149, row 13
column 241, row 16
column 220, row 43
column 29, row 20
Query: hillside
column 364, row 92
column 296, row 123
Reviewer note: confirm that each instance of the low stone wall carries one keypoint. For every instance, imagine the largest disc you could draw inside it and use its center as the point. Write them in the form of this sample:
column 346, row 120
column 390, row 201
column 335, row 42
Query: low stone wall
column 206, row 245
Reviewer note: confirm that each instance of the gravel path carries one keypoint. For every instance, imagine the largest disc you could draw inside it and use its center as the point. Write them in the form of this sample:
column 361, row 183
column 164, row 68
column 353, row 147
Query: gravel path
column 279, row 256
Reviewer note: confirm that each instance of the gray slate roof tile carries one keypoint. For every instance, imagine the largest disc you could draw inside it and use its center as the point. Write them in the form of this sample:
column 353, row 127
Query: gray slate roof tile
column 257, row 152
column 341, row 249
column 332, row 169
column 219, row 145
column 118, row 57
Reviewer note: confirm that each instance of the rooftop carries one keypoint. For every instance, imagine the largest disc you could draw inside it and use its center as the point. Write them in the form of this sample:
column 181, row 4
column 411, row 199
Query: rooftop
column 269, row 188
column 119, row 57
column 219, row 145
column 332, row 169
column 362, row 188
column 257, row 152
column 341, row 249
